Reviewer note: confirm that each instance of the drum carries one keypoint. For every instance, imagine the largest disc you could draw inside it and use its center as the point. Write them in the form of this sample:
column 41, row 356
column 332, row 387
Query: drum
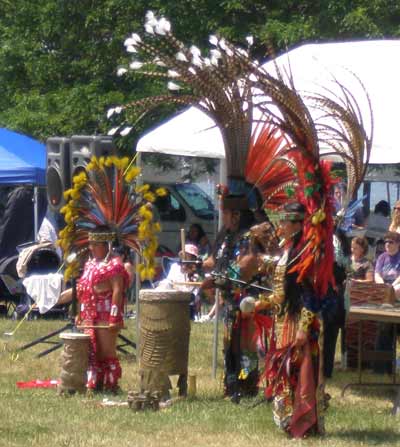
column 371, row 293
column 164, row 339
column 74, row 362
column 364, row 293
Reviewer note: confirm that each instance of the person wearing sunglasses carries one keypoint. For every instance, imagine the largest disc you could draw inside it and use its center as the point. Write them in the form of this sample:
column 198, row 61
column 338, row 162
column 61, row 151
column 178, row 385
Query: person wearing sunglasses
column 395, row 224
column 387, row 270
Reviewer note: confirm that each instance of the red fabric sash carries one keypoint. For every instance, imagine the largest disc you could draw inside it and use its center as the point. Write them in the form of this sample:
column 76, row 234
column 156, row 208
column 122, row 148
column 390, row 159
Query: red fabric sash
column 305, row 402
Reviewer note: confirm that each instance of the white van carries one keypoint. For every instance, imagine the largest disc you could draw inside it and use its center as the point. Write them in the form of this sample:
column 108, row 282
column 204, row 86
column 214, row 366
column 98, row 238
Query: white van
column 184, row 205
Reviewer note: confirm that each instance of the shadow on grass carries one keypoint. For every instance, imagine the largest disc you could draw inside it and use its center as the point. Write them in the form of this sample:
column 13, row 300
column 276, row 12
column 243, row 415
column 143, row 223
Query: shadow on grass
column 371, row 437
column 378, row 391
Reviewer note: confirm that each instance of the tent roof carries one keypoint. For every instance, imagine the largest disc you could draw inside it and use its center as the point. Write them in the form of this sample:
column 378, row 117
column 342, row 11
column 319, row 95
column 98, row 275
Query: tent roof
column 375, row 63
column 22, row 159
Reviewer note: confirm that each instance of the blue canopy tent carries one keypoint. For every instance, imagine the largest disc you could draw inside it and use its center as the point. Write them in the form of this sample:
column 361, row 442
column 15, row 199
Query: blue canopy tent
column 22, row 162
column 22, row 159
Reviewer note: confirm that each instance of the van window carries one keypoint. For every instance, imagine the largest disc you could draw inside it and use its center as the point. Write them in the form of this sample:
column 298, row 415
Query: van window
column 170, row 209
column 197, row 200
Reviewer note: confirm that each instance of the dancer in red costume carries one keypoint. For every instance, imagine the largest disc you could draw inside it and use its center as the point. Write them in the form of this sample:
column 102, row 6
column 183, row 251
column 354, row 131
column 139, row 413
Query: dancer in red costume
column 101, row 294
column 106, row 207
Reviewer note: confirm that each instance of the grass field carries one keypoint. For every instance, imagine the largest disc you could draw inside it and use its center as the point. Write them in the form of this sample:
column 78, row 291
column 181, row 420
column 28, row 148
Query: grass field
column 39, row 417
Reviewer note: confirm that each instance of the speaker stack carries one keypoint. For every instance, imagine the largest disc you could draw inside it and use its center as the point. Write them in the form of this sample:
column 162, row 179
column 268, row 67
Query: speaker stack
column 58, row 177
column 67, row 157
column 84, row 147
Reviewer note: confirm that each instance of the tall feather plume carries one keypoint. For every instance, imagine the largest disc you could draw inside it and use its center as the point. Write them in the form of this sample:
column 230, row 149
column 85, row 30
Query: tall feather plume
column 228, row 85
column 266, row 169
column 218, row 84
column 291, row 113
column 342, row 128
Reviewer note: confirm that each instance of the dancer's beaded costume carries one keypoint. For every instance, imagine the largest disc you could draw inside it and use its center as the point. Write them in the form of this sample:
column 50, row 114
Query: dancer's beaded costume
column 96, row 309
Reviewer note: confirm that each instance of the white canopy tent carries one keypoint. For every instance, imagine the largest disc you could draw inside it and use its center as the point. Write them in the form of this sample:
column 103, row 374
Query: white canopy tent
column 313, row 66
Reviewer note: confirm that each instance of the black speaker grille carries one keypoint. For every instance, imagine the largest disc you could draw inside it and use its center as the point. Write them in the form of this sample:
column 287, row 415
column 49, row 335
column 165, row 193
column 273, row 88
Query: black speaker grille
column 55, row 188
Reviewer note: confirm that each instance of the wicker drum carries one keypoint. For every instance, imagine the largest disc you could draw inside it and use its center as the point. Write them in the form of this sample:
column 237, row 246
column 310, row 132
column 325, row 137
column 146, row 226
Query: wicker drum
column 74, row 362
column 364, row 293
column 164, row 339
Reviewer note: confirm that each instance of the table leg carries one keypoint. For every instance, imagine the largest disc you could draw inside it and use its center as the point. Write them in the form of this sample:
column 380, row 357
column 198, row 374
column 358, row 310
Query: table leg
column 359, row 359
column 396, row 403
column 360, row 348
column 394, row 361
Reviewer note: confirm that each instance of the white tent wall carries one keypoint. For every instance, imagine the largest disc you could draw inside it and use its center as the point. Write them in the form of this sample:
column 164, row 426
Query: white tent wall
column 375, row 63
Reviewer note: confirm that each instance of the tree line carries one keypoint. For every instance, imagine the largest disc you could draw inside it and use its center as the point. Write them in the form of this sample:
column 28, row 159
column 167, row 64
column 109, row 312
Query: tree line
column 59, row 58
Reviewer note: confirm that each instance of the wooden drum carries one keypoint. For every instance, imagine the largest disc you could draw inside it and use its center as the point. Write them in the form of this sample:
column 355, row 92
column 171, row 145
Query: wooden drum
column 74, row 362
column 164, row 339
column 364, row 293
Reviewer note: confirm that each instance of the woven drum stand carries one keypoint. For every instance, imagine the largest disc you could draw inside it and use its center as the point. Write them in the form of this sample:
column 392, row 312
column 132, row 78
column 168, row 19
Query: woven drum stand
column 74, row 362
column 164, row 340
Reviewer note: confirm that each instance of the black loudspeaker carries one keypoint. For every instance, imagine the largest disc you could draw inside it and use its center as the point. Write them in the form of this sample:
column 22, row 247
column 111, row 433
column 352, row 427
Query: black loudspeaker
column 84, row 147
column 58, row 175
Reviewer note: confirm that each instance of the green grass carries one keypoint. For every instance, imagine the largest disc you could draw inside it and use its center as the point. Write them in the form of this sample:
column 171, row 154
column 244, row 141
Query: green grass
column 40, row 417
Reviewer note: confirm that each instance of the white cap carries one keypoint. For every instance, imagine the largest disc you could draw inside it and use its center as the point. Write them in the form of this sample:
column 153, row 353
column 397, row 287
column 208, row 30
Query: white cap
column 191, row 249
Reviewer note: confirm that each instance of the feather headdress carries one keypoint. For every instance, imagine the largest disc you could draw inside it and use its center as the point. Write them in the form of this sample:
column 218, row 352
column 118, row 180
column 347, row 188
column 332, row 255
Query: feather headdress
column 342, row 128
column 282, row 149
column 105, row 195
column 218, row 83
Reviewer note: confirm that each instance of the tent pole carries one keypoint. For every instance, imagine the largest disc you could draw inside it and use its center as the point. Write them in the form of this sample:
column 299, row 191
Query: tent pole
column 35, row 211
column 137, row 261
column 223, row 181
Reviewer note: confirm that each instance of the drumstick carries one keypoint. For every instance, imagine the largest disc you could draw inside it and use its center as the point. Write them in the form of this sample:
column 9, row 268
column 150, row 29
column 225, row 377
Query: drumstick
column 187, row 283
column 94, row 327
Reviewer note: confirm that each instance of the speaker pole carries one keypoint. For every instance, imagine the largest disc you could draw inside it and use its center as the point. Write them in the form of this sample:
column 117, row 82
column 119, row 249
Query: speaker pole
column 35, row 211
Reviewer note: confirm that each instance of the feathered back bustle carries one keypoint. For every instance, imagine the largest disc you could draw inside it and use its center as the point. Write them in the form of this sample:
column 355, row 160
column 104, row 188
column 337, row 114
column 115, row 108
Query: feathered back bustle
column 106, row 195
column 281, row 152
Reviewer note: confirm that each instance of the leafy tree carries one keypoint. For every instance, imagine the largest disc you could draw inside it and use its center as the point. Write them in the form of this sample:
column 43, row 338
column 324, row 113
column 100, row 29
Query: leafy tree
column 59, row 58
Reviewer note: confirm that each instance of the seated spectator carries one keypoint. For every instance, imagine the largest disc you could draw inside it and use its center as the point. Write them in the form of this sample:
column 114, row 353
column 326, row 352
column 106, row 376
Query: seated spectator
column 395, row 224
column 182, row 273
column 387, row 270
column 361, row 269
column 197, row 236
column 48, row 231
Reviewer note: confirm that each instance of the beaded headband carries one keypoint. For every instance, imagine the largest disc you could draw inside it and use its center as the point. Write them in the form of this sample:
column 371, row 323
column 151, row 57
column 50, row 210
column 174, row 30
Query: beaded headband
column 291, row 216
column 108, row 236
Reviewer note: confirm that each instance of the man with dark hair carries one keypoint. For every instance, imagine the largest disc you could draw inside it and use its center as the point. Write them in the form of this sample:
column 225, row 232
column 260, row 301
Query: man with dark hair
column 233, row 258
